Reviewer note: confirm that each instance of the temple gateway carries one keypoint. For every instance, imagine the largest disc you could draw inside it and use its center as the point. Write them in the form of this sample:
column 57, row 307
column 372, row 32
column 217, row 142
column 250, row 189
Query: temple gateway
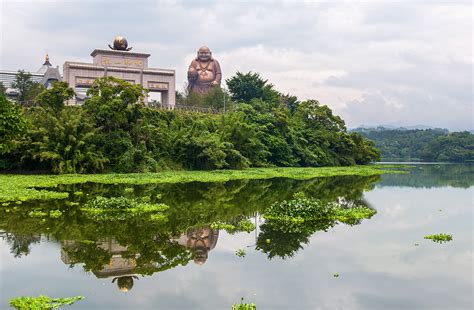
column 121, row 63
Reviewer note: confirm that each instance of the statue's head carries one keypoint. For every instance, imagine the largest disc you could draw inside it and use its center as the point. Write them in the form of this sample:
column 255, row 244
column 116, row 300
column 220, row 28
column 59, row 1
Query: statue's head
column 204, row 53
column 200, row 255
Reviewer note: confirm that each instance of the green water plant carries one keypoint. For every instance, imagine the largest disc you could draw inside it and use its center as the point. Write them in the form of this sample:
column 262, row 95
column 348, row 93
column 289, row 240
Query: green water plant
column 440, row 238
column 27, row 187
column 244, row 306
column 243, row 225
column 301, row 209
column 240, row 253
column 42, row 302
column 121, row 208
column 293, row 221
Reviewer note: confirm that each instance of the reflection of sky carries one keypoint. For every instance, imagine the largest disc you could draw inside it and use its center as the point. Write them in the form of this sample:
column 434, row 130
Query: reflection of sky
column 379, row 266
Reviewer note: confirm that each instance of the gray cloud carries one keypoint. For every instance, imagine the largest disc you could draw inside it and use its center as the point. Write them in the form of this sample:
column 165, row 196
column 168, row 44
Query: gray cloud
column 409, row 61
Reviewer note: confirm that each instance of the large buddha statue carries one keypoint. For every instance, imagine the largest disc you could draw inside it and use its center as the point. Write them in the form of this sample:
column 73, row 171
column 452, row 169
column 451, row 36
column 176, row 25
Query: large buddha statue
column 204, row 72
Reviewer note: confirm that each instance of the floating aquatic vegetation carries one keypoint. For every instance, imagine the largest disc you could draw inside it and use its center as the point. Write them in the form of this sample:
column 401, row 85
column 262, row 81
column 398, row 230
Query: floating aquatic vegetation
column 37, row 213
column 121, row 208
column 42, row 302
column 353, row 216
column 440, row 238
column 291, row 222
column 44, row 213
column 224, row 226
column 246, row 225
column 243, row 225
column 244, row 306
column 24, row 187
column 240, row 253
column 301, row 209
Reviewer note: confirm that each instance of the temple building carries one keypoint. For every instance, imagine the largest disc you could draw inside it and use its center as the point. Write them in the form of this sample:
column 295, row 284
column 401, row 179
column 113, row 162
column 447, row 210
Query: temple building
column 118, row 62
column 46, row 75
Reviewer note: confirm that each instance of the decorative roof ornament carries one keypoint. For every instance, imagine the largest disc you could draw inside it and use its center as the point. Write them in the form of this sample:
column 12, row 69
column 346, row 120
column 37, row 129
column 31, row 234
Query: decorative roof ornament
column 120, row 44
column 46, row 61
column 46, row 65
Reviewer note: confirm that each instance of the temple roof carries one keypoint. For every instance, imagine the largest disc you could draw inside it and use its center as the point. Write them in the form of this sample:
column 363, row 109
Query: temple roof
column 45, row 65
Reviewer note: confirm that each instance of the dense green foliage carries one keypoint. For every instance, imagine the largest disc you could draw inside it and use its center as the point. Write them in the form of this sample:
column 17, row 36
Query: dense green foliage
column 249, row 86
column 429, row 145
column 62, row 142
column 42, row 302
column 3, row 89
column 55, row 97
column 12, row 124
column 455, row 146
column 115, row 132
column 216, row 99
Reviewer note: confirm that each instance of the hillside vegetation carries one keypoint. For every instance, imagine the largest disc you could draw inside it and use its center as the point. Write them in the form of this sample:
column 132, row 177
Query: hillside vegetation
column 428, row 145
column 115, row 132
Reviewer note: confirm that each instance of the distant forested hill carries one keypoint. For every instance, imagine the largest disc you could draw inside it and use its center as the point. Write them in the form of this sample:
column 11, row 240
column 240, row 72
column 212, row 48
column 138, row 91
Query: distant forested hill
column 428, row 144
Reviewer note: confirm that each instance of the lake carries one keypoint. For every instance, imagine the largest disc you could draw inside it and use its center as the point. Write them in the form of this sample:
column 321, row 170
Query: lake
column 199, row 256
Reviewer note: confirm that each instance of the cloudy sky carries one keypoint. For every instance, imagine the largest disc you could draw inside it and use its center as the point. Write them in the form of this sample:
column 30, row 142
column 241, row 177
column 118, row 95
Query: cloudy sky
column 373, row 62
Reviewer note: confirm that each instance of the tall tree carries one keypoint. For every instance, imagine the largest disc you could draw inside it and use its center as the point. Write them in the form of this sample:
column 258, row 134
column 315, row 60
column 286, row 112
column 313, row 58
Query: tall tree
column 12, row 123
column 2, row 89
column 244, row 87
column 55, row 96
column 23, row 84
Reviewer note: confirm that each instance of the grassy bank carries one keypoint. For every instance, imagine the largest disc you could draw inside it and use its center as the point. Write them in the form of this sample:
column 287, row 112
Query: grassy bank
column 28, row 187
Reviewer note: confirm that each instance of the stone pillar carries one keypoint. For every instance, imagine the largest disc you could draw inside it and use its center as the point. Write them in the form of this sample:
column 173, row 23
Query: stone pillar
column 165, row 98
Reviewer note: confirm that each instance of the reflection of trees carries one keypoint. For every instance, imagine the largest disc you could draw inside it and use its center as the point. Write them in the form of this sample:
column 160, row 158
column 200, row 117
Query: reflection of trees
column 436, row 175
column 153, row 245
column 20, row 244
column 284, row 238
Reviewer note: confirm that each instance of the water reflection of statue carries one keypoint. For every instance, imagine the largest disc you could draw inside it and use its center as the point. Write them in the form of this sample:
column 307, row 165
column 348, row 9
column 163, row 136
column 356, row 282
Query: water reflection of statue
column 204, row 72
column 125, row 283
column 200, row 241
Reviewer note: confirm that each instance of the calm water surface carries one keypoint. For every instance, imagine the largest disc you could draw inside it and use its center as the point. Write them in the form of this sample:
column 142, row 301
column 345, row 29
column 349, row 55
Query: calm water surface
column 383, row 262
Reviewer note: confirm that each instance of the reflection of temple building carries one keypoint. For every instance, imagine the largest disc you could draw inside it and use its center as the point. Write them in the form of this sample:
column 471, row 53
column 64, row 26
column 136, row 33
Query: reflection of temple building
column 122, row 269
column 200, row 241
column 118, row 267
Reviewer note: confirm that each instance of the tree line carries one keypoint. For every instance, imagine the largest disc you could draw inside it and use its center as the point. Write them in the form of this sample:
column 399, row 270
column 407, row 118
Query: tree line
column 428, row 144
column 114, row 131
